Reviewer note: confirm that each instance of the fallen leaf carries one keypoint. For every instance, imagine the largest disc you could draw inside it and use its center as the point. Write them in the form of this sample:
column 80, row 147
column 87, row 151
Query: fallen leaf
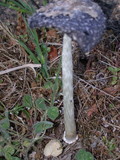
column 52, row 54
column 31, row 45
column 34, row 85
column 21, row 27
column 52, row 33
column 111, row 90
column 92, row 110
column 12, row 42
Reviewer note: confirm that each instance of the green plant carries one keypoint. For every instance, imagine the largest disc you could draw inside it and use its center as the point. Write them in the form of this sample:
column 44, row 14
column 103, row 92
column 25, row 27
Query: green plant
column 1, row 81
column 40, row 54
column 41, row 50
column 14, row 121
column 18, row 5
column 42, row 126
column 7, row 150
column 9, row 147
column 114, row 71
column 111, row 105
column 44, row 2
column 83, row 155
column 110, row 144
column 50, row 112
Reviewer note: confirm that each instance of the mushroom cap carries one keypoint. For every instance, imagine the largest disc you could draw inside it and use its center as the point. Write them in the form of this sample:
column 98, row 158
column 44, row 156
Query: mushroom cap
column 82, row 20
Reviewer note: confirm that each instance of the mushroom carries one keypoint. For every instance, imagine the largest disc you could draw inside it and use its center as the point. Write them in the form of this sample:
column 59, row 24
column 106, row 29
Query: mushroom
column 82, row 21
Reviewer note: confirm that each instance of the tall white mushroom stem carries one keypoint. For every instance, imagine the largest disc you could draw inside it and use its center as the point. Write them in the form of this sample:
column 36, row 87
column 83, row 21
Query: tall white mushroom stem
column 70, row 135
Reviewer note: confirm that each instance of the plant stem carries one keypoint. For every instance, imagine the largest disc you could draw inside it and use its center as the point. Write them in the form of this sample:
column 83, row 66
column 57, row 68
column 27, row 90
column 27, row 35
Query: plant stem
column 67, row 79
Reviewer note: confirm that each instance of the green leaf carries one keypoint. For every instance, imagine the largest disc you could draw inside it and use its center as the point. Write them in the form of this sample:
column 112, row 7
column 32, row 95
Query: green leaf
column 1, row 108
column 31, row 54
column 83, row 155
column 111, row 146
column 16, row 143
column 4, row 123
column 26, row 143
column 53, row 113
column 17, row 109
column 111, row 105
column 56, row 85
column 114, row 80
column 1, row 140
column 9, row 149
column 1, row 81
column 27, row 113
column 8, row 156
column 40, row 127
column 1, row 151
column 5, row 133
column 44, row 2
column 114, row 70
column 15, row 158
column 40, row 104
column 27, row 101
column 48, row 85
column 18, row 6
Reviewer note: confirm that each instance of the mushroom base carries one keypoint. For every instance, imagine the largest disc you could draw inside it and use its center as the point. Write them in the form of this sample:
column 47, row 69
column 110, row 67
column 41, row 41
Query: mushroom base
column 70, row 139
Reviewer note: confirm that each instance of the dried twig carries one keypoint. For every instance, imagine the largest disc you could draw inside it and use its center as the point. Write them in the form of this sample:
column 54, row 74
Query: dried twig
column 32, row 66
column 105, row 93
column 113, row 125
column 6, row 30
